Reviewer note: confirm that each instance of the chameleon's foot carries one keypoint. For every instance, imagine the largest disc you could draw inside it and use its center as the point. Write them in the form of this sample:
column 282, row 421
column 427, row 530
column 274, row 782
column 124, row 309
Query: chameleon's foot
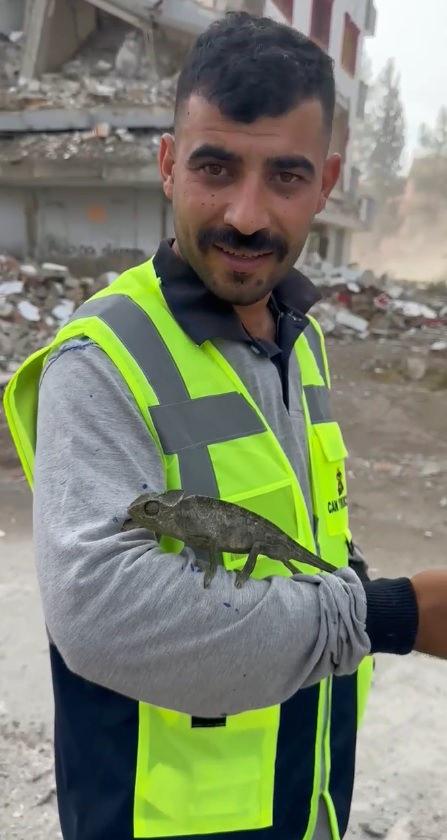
column 244, row 574
column 210, row 571
column 241, row 578
column 210, row 567
column 290, row 567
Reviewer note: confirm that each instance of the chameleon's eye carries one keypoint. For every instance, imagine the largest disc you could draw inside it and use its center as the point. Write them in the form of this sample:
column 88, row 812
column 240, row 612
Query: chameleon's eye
column 151, row 508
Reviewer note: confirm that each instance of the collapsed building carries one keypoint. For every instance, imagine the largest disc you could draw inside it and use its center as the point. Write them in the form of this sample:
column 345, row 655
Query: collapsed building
column 86, row 88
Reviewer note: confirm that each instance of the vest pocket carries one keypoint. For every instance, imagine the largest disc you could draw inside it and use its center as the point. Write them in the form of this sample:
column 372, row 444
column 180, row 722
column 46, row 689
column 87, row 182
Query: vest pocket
column 199, row 780
column 328, row 465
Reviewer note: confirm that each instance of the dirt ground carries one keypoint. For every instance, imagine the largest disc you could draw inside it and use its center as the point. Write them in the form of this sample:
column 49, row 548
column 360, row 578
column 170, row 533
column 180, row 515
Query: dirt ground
column 396, row 433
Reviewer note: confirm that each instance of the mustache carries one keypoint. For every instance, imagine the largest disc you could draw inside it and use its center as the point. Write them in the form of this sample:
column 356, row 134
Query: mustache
column 231, row 238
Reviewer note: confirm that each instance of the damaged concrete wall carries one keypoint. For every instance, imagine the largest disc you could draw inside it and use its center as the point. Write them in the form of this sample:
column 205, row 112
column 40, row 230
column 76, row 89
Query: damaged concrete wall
column 98, row 223
column 89, row 230
column 11, row 15
column 55, row 29
column 13, row 227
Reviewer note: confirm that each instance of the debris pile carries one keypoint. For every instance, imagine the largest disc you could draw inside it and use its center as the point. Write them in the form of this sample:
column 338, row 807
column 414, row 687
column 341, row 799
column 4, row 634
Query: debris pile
column 10, row 59
column 358, row 303
column 119, row 70
column 100, row 144
column 57, row 90
column 35, row 300
column 118, row 65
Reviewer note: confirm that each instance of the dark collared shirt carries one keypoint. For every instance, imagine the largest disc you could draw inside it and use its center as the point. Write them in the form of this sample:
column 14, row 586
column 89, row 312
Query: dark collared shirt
column 205, row 317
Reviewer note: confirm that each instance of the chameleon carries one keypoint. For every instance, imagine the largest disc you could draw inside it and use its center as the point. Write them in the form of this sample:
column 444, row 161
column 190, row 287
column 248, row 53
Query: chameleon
column 213, row 525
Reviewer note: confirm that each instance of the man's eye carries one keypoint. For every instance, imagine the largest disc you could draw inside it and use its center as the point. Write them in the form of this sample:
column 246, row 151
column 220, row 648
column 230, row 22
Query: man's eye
column 288, row 177
column 213, row 169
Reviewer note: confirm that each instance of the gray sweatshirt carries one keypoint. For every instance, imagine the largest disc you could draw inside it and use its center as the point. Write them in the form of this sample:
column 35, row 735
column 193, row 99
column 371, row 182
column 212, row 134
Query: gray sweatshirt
column 129, row 617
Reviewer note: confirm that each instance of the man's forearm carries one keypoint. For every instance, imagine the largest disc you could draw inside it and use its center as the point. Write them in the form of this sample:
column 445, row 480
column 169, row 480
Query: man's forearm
column 128, row 616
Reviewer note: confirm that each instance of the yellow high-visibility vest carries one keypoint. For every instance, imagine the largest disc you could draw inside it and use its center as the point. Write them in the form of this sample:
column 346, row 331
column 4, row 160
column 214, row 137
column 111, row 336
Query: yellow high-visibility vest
column 267, row 769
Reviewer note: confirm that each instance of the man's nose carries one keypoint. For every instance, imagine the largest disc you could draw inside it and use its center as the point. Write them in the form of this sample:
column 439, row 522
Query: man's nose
column 247, row 210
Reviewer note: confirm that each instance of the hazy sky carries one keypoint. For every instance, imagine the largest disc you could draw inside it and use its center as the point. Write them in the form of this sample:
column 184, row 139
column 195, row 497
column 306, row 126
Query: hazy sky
column 414, row 32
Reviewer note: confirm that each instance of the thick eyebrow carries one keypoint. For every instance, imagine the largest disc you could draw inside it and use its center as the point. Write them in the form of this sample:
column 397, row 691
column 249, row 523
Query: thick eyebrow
column 291, row 162
column 207, row 150
column 216, row 152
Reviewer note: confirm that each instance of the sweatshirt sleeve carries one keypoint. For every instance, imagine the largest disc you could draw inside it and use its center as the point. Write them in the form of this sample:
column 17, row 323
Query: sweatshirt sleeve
column 127, row 616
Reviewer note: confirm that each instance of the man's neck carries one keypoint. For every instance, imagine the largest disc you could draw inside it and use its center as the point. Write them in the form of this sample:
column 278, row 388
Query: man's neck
column 257, row 319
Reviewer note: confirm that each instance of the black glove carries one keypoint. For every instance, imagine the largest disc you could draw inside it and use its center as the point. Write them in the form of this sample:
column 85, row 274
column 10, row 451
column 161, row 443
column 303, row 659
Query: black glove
column 357, row 561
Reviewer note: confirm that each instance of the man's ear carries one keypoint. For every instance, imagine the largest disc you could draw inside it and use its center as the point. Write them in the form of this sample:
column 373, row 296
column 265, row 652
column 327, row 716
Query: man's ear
column 331, row 173
column 166, row 163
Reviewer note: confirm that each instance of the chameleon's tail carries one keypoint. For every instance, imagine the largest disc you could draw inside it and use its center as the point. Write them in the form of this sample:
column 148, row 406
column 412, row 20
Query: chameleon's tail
column 303, row 555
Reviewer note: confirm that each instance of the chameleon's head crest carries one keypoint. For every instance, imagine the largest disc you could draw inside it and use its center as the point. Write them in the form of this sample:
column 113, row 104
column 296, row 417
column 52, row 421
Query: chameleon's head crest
column 147, row 509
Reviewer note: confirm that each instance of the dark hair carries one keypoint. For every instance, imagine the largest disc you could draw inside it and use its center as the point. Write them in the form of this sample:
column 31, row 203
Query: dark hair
column 254, row 67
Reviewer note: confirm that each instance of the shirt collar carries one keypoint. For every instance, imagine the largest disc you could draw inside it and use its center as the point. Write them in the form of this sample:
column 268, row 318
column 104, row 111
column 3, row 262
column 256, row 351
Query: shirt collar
column 202, row 315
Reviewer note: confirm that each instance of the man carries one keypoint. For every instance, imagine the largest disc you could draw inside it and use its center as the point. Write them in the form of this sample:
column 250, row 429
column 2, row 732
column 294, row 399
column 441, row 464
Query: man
column 182, row 711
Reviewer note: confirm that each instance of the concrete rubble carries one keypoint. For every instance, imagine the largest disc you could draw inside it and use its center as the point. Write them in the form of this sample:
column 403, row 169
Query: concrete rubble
column 109, row 104
column 119, row 71
column 10, row 61
column 98, row 144
column 358, row 303
column 36, row 299
column 117, row 64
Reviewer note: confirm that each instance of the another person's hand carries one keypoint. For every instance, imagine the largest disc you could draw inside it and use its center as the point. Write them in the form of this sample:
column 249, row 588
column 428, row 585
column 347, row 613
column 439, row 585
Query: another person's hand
column 431, row 594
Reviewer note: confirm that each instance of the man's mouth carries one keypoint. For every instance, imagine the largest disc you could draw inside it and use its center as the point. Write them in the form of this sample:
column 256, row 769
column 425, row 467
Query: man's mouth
column 243, row 254
column 240, row 260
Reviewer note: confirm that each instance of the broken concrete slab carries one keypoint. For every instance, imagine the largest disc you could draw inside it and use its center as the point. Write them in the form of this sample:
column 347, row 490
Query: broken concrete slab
column 28, row 310
column 10, row 287
column 138, row 13
column 54, row 31
column 187, row 16
column 81, row 119
column 63, row 311
column 54, row 271
column 11, row 16
column 352, row 322
column 129, row 56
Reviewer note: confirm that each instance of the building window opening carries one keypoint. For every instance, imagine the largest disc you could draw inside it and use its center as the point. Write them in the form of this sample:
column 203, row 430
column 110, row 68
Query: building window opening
column 350, row 46
column 340, row 137
column 286, row 7
column 318, row 242
column 320, row 28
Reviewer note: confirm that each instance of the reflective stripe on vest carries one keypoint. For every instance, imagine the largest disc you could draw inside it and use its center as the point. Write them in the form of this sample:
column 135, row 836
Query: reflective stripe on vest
column 185, row 426
column 313, row 337
column 317, row 398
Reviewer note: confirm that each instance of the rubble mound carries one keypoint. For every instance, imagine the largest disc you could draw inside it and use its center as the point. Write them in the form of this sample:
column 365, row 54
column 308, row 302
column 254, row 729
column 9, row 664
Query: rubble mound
column 35, row 301
column 356, row 302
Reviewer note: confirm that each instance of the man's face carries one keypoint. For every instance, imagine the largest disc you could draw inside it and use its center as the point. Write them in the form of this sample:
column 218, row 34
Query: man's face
column 244, row 195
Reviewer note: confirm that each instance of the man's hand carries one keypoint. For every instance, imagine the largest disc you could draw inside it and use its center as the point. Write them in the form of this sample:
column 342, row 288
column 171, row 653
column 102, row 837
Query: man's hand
column 431, row 594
